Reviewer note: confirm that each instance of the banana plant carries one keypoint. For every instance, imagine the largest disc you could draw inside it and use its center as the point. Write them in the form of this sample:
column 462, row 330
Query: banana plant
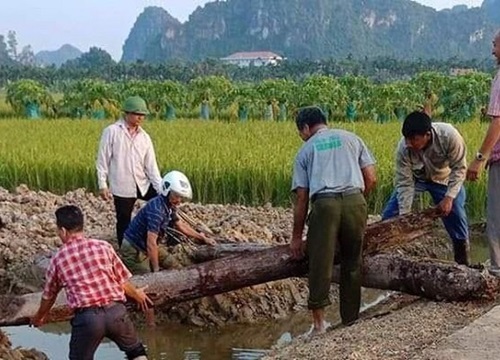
column 29, row 97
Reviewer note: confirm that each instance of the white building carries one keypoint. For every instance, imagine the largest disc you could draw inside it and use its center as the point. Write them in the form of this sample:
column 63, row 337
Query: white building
column 255, row 58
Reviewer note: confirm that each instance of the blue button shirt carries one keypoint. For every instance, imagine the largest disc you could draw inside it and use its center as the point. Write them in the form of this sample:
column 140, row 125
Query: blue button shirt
column 155, row 216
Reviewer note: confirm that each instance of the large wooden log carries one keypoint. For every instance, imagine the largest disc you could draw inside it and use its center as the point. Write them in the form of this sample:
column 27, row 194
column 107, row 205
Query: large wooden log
column 430, row 278
column 379, row 236
column 259, row 266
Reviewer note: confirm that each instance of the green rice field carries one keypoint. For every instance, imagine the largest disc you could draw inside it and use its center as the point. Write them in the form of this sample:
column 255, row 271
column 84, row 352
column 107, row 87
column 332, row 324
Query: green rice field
column 246, row 162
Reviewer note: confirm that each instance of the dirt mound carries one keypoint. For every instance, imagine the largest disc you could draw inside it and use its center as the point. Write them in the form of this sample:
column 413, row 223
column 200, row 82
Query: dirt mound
column 27, row 231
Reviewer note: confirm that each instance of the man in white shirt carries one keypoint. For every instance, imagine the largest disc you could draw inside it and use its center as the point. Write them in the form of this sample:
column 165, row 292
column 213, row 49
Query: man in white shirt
column 126, row 159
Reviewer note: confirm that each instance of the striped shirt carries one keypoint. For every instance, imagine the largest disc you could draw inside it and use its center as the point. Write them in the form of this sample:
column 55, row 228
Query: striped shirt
column 494, row 111
column 153, row 217
column 89, row 270
column 127, row 161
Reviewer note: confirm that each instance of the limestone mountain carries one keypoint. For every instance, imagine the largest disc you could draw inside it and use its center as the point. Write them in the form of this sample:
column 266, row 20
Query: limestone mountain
column 315, row 29
column 57, row 57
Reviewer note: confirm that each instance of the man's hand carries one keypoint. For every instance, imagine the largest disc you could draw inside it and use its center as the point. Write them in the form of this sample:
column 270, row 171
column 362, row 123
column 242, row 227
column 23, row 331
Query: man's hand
column 297, row 246
column 105, row 194
column 207, row 240
column 38, row 320
column 474, row 170
column 445, row 206
column 143, row 300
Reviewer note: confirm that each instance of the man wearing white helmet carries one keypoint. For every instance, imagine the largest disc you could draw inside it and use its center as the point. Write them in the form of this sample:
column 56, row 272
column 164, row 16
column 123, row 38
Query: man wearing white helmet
column 152, row 220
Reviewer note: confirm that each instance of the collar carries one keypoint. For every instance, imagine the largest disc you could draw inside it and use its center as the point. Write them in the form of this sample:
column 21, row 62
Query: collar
column 123, row 124
column 75, row 238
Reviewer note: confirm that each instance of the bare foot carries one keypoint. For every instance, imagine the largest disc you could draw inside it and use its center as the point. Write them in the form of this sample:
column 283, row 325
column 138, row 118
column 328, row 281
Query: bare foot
column 314, row 330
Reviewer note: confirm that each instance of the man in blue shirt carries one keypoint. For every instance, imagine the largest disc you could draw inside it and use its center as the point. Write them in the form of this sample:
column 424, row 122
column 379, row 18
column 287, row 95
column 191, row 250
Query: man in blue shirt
column 152, row 221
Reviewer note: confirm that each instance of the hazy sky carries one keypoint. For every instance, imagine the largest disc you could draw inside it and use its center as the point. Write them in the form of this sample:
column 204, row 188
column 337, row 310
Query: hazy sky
column 48, row 24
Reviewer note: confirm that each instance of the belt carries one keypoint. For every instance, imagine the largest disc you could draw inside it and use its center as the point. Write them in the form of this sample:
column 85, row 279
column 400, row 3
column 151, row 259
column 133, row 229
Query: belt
column 97, row 307
column 334, row 195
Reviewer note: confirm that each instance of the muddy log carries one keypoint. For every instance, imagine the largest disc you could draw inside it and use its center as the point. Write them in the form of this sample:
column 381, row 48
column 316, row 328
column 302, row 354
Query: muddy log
column 379, row 236
column 428, row 278
column 251, row 267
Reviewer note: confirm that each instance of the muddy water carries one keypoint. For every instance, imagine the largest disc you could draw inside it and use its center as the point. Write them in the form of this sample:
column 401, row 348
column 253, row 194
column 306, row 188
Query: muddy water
column 174, row 341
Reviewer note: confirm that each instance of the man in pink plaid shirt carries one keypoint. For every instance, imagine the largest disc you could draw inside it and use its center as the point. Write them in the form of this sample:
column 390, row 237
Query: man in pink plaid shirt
column 490, row 151
column 96, row 282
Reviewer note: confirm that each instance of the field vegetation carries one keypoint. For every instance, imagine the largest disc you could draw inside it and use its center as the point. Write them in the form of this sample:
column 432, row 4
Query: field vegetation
column 248, row 163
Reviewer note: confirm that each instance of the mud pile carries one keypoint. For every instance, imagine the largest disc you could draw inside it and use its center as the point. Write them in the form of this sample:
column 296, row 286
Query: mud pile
column 27, row 229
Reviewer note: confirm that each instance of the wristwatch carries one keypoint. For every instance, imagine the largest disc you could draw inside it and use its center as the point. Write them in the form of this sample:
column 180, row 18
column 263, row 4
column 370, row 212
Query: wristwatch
column 480, row 156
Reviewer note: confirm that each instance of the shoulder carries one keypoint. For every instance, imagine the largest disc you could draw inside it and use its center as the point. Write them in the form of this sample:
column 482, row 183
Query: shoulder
column 144, row 134
column 156, row 205
column 446, row 130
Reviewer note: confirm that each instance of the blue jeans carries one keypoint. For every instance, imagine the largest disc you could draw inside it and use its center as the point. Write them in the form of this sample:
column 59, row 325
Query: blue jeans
column 455, row 223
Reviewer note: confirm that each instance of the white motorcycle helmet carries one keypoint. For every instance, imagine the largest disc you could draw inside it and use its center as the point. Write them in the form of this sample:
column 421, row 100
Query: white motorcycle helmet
column 178, row 183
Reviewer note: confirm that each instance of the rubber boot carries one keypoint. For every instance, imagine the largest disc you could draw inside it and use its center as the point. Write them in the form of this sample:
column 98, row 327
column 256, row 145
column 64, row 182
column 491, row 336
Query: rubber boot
column 461, row 252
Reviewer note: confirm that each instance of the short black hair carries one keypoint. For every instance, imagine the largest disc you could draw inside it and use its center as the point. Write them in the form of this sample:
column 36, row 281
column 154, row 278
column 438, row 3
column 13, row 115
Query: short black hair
column 69, row 217
column 416, row 123
column 309, row 115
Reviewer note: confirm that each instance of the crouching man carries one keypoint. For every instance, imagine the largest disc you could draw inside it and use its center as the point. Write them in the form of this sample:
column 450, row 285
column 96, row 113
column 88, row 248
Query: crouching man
column 431, row 158
column 96, row 282
column 151, row 223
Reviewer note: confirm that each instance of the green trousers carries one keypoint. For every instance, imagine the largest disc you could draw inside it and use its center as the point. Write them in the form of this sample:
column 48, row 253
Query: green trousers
column 339, row 221
column 138, row 262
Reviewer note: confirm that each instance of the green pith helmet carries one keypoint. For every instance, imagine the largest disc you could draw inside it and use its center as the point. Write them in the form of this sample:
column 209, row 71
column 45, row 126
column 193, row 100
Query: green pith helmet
column 135, row 104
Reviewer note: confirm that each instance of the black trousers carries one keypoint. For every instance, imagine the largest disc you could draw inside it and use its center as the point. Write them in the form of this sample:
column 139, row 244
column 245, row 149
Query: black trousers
column 124, row 208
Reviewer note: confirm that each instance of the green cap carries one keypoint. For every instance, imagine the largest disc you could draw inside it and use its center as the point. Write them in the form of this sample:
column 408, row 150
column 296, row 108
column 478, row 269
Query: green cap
column 135, row 104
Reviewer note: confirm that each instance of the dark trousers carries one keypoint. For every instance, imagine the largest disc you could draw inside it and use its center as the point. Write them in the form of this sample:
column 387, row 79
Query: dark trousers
column 336, row 222
column 89, row 327
column 124, row 208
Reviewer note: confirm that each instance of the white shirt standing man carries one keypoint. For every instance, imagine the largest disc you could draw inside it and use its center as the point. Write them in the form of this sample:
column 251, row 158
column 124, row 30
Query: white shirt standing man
column 126, row 163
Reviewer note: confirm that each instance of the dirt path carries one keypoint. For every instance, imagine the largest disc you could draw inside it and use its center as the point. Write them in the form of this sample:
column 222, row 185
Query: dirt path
column 399, row 331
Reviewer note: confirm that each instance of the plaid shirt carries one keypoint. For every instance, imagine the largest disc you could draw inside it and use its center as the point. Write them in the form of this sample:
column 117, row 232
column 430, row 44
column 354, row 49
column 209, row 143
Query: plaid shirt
column 90, row 271
column 494, row 111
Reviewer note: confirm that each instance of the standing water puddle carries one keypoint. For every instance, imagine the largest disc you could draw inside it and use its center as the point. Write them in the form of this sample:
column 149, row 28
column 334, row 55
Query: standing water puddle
column 182, row 342
column 175, row 341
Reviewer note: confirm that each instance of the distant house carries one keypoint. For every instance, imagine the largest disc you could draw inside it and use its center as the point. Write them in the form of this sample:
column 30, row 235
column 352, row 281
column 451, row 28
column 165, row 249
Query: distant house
column 459, row 71
column 255, row 58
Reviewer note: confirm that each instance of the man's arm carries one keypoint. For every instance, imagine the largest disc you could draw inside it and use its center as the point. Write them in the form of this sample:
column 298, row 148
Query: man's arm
column 151, row 167
column 43, row 310
column 405, row 184
column 458, row 166
column 138, row 295
column 491, row 138
column 102, row 163
column 300, row 209
column 367, row 165
column 49, row 295
column 187, row 230
column 152, row 248
column 369, row 178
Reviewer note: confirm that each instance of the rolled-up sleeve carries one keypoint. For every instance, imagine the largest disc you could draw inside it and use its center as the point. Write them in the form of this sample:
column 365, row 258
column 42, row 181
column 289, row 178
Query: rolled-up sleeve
column 405, row 183
column 103, row 158
column 120, row 271
column 52, row 281
column 458, row 163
